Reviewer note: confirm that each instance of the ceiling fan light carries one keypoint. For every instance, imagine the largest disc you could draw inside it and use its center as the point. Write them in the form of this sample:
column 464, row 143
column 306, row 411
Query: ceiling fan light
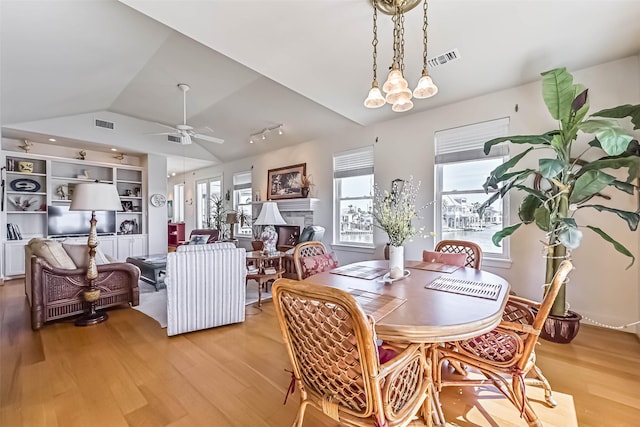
column 375, row 98
column 425, row 88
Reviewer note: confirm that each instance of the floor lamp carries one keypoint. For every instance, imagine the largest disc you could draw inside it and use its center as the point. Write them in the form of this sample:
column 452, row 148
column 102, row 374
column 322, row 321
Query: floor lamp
column 93, row 197
column 269, row 216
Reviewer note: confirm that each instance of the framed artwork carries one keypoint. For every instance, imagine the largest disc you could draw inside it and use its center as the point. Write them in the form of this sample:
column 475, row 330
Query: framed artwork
column 127, row 205
column 285, row 183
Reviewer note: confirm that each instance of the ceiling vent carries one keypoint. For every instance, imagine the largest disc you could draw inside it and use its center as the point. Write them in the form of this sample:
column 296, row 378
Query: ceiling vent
column 104, row 124
column 452, row 55
column 173, row 138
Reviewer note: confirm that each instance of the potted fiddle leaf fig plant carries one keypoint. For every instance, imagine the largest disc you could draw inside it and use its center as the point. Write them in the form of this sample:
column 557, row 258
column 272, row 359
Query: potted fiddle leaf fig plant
column 566, row 181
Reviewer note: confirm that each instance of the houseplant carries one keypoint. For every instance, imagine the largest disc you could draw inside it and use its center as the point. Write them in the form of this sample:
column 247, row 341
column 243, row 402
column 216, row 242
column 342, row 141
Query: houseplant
column 393, row 212
column 305, row 184
column 565, row 182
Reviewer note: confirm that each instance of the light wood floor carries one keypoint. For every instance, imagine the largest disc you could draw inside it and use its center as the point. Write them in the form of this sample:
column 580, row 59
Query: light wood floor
column 126, row 372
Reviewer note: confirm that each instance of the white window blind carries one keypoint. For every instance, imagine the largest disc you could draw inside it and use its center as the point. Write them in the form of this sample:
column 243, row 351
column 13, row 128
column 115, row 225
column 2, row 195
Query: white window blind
column 467, row 142
column 241, row 180
column 353, row 163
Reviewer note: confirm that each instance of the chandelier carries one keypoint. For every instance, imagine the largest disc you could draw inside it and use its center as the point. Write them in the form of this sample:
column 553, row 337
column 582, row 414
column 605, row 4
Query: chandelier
column 396, row 86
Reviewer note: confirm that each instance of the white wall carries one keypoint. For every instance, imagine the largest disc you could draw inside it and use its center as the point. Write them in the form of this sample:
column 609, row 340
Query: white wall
column 156, row 216
column 600, row 286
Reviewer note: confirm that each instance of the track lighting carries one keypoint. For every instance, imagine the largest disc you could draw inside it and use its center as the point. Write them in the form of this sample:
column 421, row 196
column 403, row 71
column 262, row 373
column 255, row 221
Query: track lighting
column 264, row 132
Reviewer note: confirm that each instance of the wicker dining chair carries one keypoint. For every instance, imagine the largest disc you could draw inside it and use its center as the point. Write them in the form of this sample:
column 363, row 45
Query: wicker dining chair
column 506, row 354
column 306, row 249
column 473, row 251
column 332, row 347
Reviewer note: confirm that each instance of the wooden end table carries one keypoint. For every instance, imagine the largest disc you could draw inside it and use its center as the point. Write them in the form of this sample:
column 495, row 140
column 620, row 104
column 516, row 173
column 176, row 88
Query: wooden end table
column 261, row 261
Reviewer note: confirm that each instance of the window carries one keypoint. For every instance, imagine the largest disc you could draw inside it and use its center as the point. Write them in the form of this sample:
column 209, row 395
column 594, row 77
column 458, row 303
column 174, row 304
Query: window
column 242, row 202
column 178, row 203
column 209, row 197
column 353, row 197
column 461, row 169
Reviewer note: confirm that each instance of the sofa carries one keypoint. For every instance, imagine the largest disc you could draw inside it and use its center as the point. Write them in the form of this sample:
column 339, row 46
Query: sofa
column 205, row 287
column 55, row 278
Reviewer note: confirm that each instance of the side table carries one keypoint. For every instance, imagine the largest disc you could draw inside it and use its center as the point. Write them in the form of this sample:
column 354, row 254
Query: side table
column 261, row 261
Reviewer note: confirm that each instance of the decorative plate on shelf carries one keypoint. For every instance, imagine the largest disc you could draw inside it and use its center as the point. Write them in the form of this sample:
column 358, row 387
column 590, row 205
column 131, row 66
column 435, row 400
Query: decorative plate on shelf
column 25, row 184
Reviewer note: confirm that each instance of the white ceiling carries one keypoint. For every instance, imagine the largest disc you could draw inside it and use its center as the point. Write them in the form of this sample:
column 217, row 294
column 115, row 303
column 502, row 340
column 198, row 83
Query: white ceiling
column 255, row 64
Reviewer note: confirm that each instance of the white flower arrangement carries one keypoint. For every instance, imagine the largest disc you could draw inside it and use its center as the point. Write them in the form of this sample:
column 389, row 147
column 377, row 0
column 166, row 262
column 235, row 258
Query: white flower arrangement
column 393, row 211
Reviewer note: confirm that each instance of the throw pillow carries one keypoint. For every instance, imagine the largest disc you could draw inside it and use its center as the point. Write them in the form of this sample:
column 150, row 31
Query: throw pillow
column 442, row 258
column 198, row 239
column 80, row 254
column 53, row 252
column 317, row 264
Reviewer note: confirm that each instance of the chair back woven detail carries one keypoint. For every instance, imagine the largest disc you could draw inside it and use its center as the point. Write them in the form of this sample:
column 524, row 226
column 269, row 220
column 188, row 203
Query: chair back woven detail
column 331, row 345
column 506, row 354
column 306, row 249
column 473, row 251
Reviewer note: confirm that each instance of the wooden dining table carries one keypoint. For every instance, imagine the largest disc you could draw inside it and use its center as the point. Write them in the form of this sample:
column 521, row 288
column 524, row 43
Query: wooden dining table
column 407, row 311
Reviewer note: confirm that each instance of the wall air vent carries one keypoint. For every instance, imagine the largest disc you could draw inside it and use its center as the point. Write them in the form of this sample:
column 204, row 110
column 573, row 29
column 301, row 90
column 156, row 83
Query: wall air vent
column 436, row 61
column 173, row 138
column 105, row 124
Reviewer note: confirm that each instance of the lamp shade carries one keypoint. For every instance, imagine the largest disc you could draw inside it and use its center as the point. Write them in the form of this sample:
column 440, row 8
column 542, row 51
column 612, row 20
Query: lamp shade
column 232, row 218
column 270, row 215
column 95, row 196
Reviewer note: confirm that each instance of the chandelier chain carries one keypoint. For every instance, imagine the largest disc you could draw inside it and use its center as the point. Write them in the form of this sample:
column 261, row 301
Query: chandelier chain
column 424, row 39
column 375, row 40
column 401, row 55
column 396, row 39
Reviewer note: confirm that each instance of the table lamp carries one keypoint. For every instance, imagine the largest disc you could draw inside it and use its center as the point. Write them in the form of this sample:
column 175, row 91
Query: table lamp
column 232, row 219
column 269, row 216
column 93, row 197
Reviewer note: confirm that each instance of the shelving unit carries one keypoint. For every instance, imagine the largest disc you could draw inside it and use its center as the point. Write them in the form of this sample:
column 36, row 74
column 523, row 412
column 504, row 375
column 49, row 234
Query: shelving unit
column 176, row 234
column 50, row 182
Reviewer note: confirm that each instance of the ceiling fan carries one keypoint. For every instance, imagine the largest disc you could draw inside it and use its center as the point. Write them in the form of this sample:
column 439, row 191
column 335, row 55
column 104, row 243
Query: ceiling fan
column 182, row 134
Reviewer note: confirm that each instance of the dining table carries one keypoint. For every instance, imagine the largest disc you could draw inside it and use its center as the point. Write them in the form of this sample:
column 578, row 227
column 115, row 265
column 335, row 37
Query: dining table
column 430, row 304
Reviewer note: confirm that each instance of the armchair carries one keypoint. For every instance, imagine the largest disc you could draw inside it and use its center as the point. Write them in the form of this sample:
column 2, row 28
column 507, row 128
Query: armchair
column 211, row 235
column 54, row 285
column 336, row 365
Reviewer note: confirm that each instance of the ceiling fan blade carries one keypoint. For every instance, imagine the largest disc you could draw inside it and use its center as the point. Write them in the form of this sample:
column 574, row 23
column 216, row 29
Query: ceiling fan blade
column 186, row 139
column 163, row 133
column 209, row 138
column 166, row 126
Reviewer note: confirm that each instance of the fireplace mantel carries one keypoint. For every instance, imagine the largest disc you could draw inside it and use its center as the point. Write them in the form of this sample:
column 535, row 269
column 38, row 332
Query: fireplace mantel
column 293, row 205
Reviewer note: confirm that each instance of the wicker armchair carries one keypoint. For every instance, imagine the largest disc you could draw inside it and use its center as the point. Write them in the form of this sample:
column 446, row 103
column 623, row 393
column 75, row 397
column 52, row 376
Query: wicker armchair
column 473, row 251
column 306, row 249
column 506, row 354
column 331, row 345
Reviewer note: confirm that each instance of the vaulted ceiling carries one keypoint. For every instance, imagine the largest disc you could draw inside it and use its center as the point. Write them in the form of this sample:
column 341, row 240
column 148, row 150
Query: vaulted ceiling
column 257, row 64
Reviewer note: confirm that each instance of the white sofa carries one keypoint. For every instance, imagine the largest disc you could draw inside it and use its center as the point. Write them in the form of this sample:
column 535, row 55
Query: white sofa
column 205, row 287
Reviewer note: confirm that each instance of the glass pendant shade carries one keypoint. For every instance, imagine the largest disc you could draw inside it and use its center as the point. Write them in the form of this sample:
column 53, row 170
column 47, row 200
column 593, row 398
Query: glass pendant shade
column 425, row 88
column 375, row 98
column 395, row 79
column 402, row 105
column 401, row 95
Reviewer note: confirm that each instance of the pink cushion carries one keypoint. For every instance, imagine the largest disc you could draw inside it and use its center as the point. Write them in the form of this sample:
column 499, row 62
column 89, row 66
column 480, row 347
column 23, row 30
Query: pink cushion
column 442, row 258
column 385, row 354
column 317, row 264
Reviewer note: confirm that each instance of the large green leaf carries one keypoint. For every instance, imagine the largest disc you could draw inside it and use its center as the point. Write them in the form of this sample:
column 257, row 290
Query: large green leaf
column 539, row 194
column 616, row 245
column 570, row 237
column 569, row 221
column 631, row 162
column 624, row 186
column 588, row 184
column 527, row 208
column 632, row 218
column 558, row 93
column 613, row 139
column 543, row 218
column 503, row 168
column 493, row 181
column 550, row 168
column 621, row 111
column 544, row 139
column 505, row 232
column 487, row 203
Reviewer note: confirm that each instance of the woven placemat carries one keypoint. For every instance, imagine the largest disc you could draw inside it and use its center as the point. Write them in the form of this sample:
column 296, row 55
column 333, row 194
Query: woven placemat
column 466, row 287
column 360, row 271
column 376, row 305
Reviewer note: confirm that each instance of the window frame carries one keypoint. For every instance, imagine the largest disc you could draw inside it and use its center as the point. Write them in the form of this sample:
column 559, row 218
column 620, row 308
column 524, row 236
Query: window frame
column 178, row 203
column 239, row 187
column 200, row 221
column 471, row 151
column 362, row 165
